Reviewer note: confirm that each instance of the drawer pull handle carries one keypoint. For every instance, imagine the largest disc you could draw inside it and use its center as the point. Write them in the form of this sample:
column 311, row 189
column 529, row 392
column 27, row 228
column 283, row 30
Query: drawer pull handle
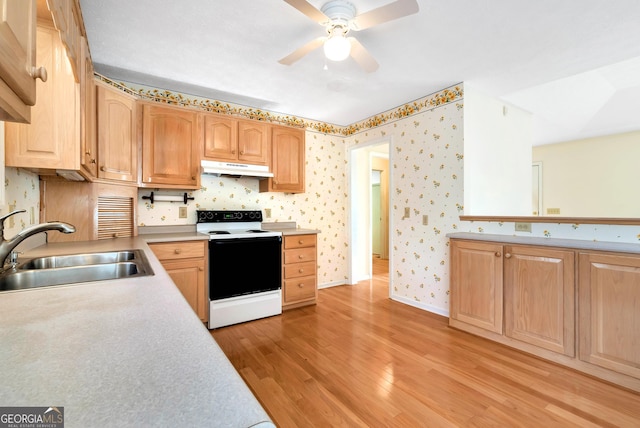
column 301, row 257
column 178, row 251
column 300, row 285
column 300, row 270
column 200, row 269
column 498, row 254
column 300, row 242
column 39, row 73
column 507, row 255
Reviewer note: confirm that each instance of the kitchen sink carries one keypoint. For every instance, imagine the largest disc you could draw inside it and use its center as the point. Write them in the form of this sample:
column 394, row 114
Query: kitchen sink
column 80, row 259
column 75, row 268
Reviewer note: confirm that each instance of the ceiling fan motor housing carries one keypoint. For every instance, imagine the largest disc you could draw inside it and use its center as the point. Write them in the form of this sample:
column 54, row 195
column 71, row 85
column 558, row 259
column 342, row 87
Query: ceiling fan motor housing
column 340, row 13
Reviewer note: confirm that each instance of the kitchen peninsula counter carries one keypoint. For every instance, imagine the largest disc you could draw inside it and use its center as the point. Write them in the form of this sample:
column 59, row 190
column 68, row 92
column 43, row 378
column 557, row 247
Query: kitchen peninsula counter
column 128, row 352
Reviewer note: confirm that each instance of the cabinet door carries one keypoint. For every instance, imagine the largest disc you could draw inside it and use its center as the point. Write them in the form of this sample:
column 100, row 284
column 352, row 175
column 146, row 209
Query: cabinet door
column 170, row 147
column 287, row 161
column 476, row 284
column 118, row 151
column 52, row 141
column 539, row 294
column 220, row 138
column 253, row 142
column 18, row 55
column 609, row 315
column 88, row 132
column 188, row 275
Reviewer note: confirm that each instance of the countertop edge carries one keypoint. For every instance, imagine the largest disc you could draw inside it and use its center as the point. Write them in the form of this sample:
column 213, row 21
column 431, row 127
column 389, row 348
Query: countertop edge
column 579, row 244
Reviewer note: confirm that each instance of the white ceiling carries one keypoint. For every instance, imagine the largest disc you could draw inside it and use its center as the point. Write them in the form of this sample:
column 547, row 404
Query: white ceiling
column 229, row 51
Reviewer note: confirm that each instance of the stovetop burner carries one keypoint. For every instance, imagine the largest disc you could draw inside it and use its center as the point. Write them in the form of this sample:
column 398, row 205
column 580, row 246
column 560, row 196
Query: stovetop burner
column 234, row 224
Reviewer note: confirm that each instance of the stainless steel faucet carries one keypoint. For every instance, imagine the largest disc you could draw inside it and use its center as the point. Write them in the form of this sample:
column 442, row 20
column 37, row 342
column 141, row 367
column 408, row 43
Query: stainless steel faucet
column 7, row 246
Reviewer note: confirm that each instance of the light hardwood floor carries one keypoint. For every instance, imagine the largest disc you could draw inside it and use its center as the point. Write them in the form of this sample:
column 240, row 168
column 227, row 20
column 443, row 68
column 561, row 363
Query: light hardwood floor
column 358, row 358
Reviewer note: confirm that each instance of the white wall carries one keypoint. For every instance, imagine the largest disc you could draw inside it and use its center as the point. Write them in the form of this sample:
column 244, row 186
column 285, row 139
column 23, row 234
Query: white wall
column 497, row 156
column 595, row 177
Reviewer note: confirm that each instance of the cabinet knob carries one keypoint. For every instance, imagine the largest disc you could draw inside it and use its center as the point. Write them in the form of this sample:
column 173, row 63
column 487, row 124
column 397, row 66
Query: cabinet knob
column 498, row 254
column 507, row 255
column 300, row 242
column 200, row 269
column 301, row 285
column 233, row 152
column 193, row 177
column 39, row 73
column 242, row 152
column 300, row 270
column 93, row 161
column 177, row 251
column 102, row 168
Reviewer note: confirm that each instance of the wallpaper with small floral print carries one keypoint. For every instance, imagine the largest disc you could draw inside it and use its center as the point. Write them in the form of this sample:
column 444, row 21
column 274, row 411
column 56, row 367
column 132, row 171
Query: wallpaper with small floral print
column 22, row 191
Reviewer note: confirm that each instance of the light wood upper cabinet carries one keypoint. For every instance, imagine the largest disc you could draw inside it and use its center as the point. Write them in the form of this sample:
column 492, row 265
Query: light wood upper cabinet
column 228, row 139
column 17, row 59
column 609, row 315
column 539, row 295
column 117, row 139
column 476, row 285
column 52, row 141
column 287, row 161
column 66, row 17
column 171, row 147
column 88, row 130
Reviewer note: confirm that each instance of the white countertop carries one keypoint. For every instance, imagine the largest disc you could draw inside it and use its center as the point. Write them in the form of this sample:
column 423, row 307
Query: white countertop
column 127, row 352
column 579, row 244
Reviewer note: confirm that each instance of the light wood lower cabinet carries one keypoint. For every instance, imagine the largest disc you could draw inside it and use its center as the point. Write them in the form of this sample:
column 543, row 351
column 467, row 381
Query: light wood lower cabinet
column 186, row 264
column 539, row 297
column 476, row 285
column 299, row 271
column 529, row 297
column 609, row 299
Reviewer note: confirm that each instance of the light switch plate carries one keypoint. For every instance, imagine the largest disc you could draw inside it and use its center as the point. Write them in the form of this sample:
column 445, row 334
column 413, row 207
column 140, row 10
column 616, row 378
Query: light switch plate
column 267, row 212
column 182, row 212
column 425, row 220
column 407, row 212
column 553, row 210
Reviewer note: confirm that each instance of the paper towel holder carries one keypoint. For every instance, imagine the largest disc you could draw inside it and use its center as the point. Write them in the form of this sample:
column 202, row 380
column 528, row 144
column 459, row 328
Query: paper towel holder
column 184, row 198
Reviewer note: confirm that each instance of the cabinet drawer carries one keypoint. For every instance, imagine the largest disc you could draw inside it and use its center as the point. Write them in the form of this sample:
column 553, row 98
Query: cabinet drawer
column 299, row 255
column 299, row 269
column 299, row 289
column 299, row 241
column 178, row 250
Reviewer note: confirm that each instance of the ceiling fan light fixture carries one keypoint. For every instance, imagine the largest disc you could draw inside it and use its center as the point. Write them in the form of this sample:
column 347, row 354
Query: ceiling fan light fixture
column 337, row 48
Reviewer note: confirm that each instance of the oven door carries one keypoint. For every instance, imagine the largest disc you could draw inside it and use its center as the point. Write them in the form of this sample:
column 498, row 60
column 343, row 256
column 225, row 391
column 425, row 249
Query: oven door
column 244, row 266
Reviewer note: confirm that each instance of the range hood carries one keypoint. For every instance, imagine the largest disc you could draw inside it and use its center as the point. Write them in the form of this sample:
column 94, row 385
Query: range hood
column 236, row 169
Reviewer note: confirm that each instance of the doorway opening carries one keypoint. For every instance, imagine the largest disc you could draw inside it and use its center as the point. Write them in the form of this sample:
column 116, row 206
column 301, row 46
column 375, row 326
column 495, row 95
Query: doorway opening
column 369, row 210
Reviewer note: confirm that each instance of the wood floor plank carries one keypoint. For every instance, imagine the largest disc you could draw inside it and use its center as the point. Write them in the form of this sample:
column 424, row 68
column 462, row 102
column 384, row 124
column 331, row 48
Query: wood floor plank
column 358, row 358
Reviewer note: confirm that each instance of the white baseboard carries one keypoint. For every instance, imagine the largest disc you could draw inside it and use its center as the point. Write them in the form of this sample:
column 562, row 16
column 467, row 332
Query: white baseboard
column 428, row 308
column 330, row 284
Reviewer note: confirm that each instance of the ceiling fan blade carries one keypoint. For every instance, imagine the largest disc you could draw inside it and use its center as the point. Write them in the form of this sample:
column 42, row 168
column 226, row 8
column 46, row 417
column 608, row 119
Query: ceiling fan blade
column 309, row 10
column 362, row 56
column 302, row 51
column 389, row 12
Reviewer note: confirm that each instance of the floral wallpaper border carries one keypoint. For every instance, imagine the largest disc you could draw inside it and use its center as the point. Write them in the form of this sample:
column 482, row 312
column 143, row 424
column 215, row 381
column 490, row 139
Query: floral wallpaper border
column 436, row 99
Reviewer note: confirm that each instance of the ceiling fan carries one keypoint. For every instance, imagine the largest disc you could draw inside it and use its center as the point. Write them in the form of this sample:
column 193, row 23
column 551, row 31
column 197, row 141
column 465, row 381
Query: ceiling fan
column 339, row 17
